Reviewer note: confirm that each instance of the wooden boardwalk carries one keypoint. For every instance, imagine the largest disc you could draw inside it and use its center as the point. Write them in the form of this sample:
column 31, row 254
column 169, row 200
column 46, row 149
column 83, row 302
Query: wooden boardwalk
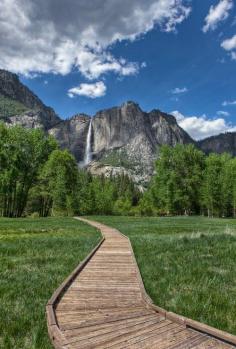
column 103, row 304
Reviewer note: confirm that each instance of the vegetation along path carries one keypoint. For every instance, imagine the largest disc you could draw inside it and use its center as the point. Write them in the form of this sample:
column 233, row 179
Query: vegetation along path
column 103, row 304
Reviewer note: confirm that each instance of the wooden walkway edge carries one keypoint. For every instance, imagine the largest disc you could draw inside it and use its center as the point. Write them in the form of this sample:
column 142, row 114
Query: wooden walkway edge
column 103, row 304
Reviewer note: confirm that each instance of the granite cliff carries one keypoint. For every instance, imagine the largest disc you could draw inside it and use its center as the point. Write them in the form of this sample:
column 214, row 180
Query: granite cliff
column 123, row 139
column 19, row 105
column 223, row 143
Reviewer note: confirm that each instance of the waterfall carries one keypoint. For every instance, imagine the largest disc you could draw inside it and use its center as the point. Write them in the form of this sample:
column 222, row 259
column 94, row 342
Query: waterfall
column 88, row 152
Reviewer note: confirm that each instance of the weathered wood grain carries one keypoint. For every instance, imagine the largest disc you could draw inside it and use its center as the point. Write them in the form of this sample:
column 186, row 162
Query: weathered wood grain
column 103, row 304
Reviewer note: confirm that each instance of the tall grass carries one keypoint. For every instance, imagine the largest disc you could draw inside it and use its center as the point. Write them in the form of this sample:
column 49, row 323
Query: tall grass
column 35, row 257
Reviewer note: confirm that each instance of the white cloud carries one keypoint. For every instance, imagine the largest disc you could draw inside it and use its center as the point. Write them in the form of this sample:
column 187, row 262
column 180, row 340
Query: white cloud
column 200, row 127
column 95, row 90
column 217, row 14
column 230, row 45
column 179, row 90
column 223, row 113
column 50, row 36
column 94, row 64
column 227, row 103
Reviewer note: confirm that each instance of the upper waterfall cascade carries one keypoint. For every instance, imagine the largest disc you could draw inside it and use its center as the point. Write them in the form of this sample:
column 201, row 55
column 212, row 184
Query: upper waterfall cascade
column 88, row 149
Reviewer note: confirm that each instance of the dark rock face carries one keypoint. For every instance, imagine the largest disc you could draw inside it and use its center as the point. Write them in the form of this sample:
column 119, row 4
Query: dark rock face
column 117, row 127
column 121, row 132
column 71, row 134
column 128, row 138
column 11, row 87
column 223, row 143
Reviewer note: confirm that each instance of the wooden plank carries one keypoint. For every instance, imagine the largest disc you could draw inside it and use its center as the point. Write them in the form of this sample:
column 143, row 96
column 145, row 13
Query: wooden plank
column 121, row 336
column 103, row 304
column 109, row 326
column 213, row 344
column 106, row 334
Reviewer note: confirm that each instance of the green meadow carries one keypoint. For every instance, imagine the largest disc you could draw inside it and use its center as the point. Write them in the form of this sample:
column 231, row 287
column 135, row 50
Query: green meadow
column 36, row 255
column 188, row 264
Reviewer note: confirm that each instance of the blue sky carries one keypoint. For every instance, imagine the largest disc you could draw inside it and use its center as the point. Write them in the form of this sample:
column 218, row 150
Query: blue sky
column 178, row 57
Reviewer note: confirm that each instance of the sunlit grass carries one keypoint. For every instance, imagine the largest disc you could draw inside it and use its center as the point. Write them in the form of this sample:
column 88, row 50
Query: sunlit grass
column 36, row 255
column 188, row 264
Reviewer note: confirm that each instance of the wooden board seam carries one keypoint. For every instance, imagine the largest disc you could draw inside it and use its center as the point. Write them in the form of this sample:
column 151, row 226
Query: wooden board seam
column 57, row 338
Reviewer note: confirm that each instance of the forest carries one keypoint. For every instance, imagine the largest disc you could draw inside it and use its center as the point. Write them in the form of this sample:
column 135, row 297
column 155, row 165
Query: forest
column 188, row 182
column 38, row 179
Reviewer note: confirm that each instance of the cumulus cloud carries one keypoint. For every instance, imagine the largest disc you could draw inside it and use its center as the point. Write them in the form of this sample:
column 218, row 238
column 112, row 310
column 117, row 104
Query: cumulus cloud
column 179, row 90
column 217, row 14
column 95, row 90
column 227, row 103
column 200, row 127
column 230, row 45
column 56, row 36
column 94, row 64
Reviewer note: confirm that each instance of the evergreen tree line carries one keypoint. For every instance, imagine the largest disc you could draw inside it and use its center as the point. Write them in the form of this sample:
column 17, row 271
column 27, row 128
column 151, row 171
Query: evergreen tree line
column 37, row 178
column 189, row 182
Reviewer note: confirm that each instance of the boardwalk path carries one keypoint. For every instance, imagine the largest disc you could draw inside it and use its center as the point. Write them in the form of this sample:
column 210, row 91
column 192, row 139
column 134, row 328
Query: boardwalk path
column 103, row 304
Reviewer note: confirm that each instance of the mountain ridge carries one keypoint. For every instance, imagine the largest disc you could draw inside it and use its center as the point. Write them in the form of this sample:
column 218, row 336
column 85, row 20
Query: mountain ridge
column 222, row 143
column 123, row 138
column 12, row 88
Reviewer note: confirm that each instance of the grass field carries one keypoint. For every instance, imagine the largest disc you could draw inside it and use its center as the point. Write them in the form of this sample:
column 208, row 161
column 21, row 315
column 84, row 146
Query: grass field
column 35, row 257
column 188, row 264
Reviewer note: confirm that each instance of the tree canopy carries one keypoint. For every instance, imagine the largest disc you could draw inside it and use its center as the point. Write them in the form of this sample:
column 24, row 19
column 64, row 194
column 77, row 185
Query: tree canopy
column 22, row 155
column 189, row 182
column 36, row 177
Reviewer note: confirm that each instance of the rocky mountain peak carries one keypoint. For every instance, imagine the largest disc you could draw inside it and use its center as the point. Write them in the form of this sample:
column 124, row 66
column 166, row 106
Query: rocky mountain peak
column 156, row 113
column 80, row 117
column 130, row 105
column 11, row 89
